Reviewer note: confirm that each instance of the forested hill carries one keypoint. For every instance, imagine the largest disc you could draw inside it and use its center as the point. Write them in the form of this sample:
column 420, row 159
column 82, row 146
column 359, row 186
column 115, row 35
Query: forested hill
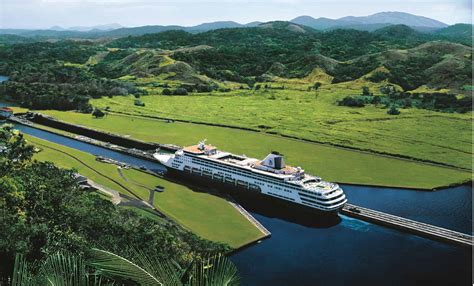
column 340, row 44
column 65, row 74
column 289, row 50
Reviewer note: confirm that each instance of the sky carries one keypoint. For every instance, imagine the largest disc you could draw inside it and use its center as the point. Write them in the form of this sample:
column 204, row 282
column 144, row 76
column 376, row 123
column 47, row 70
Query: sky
column 27, row 14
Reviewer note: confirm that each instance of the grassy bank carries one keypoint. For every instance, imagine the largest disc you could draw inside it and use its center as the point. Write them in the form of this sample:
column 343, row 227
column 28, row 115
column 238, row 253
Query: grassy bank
column 206, row 215
column 335, row 164
column 315, row 115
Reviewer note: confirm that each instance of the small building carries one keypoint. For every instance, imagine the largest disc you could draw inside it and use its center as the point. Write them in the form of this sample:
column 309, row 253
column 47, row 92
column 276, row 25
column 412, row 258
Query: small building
column 6, row 112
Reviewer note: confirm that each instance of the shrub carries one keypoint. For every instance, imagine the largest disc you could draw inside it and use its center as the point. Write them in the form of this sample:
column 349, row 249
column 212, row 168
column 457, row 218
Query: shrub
column 97, row 113
column 352, row 101
column 366, row 91
column 166, row 91
column 393, row 111
column 224, row 89
column 180, row 91
column 119, row 91
column 138, row 102
column 317, row 85
column 378, row 76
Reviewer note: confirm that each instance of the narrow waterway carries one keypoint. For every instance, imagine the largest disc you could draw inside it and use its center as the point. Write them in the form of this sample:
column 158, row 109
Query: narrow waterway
column 306, row 250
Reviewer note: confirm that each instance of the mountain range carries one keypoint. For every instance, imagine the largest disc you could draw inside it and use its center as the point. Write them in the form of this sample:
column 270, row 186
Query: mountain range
column 371, row 22
column 106, row 27
column 367, row 23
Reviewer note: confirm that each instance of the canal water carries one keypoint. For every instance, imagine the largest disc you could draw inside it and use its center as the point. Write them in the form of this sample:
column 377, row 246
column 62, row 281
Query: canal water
column 306, row 250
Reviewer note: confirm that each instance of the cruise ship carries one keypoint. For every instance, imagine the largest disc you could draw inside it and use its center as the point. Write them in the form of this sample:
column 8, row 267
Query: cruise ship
column 268, row 177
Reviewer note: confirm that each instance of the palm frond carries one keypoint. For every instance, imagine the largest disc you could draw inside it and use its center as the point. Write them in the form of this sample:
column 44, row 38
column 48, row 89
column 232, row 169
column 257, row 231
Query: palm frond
column 21, row 272
column 64, row 269
column 216, row 270
column 117, row 266
column 170, row 274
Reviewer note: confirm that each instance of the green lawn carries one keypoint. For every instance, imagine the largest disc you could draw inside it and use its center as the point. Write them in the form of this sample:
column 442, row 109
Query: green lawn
column 422, row 134
column 331, row 163
column 206, row 215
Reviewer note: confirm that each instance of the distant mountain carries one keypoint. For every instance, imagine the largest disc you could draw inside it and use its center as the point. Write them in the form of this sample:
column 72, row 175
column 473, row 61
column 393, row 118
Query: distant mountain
column 57, row 28
column 367, row 23
column 319, row 23
column 253, row 24
column 371, row 22
column 106, row 27
column 285, row 26
column 213, row 26
column 138, row 31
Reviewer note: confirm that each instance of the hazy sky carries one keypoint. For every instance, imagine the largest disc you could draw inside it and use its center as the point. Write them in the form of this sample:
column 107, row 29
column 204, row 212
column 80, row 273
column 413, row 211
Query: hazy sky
column 67, row 13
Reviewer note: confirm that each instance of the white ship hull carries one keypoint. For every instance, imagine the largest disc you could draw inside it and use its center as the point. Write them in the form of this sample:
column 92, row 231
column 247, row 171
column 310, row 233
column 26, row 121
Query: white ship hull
column 333, row 200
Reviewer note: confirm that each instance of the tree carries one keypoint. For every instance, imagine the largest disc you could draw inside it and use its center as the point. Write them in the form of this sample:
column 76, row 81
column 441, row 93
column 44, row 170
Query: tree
column 14, row 150
column 366, row 91
column 352, row 101
column 317, row 85
column 97, row 113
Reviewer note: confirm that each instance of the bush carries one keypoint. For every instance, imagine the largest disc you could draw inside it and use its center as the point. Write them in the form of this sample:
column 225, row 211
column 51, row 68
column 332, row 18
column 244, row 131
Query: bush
column 166, row 91
column 388, row 89
column 97, row 113
column 138, row 102
column 393, row 111
column 180, row 91
column 378, row 76
column 119, row 91
column 366, row 91
column 224, row 89
column 204, row 88
column 352, row 102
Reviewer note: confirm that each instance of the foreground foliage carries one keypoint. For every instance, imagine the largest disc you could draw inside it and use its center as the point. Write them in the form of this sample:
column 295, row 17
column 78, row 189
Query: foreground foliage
column 43, row 210
column 99, row 267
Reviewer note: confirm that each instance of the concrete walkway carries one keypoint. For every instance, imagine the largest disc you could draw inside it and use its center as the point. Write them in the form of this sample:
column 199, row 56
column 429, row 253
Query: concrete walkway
column 250, row 218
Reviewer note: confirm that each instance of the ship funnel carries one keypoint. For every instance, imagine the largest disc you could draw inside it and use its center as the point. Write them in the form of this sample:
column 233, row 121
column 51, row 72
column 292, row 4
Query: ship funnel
column 202, row 145
column 274, row 160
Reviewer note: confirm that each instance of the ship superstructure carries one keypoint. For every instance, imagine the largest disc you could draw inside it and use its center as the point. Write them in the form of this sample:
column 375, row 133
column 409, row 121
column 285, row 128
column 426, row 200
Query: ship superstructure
column 270, row 176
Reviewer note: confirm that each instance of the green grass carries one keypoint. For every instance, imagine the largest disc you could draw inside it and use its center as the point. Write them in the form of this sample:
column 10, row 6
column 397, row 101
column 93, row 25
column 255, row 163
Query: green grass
column 208, row 216
column 416, row 133
column 332, row 163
